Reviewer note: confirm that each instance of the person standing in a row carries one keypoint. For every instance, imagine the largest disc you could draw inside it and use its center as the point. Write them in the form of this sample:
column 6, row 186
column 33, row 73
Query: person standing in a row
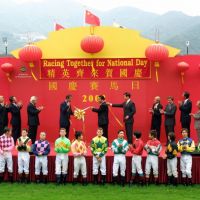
column 169, row 112
column 156, row 116
column 4, row 109
column 185, row 107
column 33, row 118
column 129, row 111
column 102, row 112
column 15, row 121
column 65, row 113
column 196, row 117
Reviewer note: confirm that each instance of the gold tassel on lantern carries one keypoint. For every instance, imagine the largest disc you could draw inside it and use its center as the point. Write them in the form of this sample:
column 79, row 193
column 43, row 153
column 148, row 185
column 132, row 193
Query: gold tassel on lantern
column 182, row 78
column 157, row 65
column 33, row 75
column 8, row 76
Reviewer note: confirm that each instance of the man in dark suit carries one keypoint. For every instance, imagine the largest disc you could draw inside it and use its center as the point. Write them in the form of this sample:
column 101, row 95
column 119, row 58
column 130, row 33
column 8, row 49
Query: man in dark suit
column 102, row 112
column 15, row 121
column 169, row 112
column 4, row 109
column 156, row 119
column 33, row 118
column 185, row 107
column 65, row 113
column 129, row 111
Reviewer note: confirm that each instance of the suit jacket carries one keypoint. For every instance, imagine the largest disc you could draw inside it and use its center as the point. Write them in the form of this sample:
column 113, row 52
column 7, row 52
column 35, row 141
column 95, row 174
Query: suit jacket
column 4, row 115
column 102, row 114
column 186, row 109
column 33, row 112
column 197, row 120
column 15, row 114
column 65, row 113
column 129, row 109
column 156, row 115
column 170, row 112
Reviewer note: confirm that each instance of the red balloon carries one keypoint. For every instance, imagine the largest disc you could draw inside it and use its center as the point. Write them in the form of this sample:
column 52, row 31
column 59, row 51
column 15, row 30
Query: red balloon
column 156, row 52
column 30, row 53
column 183, row 66
column 7, row 67
column 92, row 44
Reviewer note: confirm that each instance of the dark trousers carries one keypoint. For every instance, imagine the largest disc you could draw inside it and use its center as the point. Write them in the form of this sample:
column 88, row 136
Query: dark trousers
column 168, row 128
column 1, row 129
column 67, row 128
column 129, row 132
column 32, row 131
column 186, row 125
column 16, row 132
column 105, row 130
column 156, row 126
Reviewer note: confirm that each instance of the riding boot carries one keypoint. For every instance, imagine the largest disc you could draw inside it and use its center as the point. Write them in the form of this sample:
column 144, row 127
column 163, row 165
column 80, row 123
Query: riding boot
column 103, row 179
column 95, row 179
column 64, row 179
column 20, row 178
column 132, row 180
column 189, row 181
column 156, row 182
column 84, row 181
column 26, row 178
column 58, row 179
column 141, row 180
column 37, row 179
column 10, row 177
column 175, row 181
column 1, row 177
column 184, row 181
column 75, row 181
column 168, row 180
column 45, row 179
column 123, row 179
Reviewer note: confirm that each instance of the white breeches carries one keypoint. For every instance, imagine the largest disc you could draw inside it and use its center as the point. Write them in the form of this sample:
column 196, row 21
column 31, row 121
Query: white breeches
column 119, row 161
column 23, row 162
column 186, row 166
column 137, row 164
column 101, row 164
column 41, row 161
column 6, row 158
column 80, row 164
column 151, row 162
column 172, row 167
column 61, row 163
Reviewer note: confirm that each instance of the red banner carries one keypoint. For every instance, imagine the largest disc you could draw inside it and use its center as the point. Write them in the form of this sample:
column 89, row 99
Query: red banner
column 106, row 68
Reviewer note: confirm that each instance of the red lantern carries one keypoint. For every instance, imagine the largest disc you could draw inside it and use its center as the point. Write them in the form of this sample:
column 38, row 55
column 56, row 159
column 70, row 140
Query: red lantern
column 183, row 67
column 92, row 44
column 156, row 52
column 30, row 53
column 7, row 68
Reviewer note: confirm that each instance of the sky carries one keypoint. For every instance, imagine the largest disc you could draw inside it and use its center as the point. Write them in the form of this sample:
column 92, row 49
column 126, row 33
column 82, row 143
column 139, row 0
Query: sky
column 189, row 7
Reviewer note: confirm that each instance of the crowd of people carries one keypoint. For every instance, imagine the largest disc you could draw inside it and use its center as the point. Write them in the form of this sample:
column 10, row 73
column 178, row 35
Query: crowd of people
column 129, row 109
column 27, row 142
column 99, row 147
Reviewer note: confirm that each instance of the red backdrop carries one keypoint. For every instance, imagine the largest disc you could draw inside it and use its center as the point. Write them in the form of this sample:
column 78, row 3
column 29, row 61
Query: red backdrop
column 169, row 84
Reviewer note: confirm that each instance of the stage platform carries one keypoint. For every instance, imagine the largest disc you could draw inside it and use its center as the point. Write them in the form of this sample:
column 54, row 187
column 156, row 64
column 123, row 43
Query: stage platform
column 109, row 163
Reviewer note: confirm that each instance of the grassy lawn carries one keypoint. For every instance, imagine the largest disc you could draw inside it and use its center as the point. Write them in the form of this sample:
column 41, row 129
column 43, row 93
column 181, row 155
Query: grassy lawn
column 92, row 192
